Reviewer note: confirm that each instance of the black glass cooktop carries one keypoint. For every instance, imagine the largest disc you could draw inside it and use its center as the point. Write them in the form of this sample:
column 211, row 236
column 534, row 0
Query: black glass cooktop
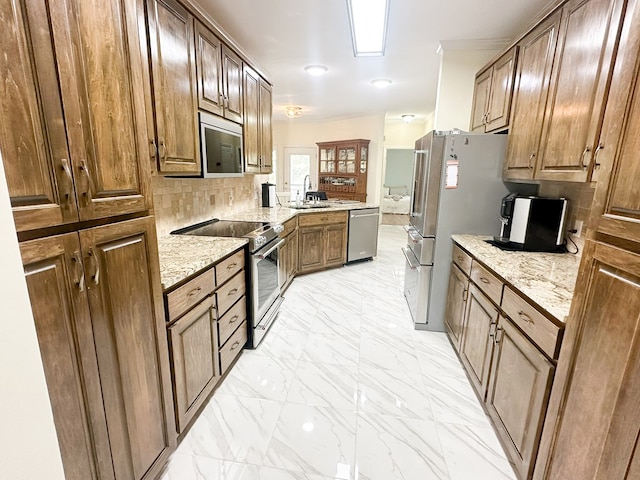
column 222, row 228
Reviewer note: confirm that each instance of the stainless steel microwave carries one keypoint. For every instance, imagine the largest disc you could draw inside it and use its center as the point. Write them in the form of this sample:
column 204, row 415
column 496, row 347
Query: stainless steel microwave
column 221, row 147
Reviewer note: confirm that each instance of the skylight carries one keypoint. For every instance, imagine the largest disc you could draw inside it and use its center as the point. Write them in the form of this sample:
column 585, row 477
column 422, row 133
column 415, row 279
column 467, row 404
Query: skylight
column 368, row 19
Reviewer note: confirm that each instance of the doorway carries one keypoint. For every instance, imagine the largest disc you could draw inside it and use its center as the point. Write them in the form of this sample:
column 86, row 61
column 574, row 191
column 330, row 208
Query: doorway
column 298, row 163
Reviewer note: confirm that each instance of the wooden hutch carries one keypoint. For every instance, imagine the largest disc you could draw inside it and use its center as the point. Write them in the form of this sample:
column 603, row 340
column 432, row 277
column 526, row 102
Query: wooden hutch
column 342, row 169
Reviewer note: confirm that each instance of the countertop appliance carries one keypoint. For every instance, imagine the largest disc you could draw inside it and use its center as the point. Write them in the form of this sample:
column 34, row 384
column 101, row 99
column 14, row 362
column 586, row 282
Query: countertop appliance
column 264, row 275
column 268, row 195
column 506, row 217
column 363, row 234
column 538, row 224
column 220, row 147
column 457, row 182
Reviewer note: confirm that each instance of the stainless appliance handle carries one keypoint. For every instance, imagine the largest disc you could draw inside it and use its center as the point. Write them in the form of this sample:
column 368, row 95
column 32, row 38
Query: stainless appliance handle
column 263, row 255
column 406, row 255
column 365, row 215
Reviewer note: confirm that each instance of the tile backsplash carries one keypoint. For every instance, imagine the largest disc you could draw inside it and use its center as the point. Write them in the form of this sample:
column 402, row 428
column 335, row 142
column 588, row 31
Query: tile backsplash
column 179, row 202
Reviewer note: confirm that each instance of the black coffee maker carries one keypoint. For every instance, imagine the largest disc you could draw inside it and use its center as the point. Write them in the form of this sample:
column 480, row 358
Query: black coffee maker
column 506, row 217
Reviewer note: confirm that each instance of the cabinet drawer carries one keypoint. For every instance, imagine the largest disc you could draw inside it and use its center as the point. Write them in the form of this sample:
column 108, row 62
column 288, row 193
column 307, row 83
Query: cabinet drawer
column 311, row 219
column 230, row 320
column 191, row 293
column 487, row 281
column 229, row 267
column 462, row 259
column 230, row 350
column 535, row 325
column 229, row 293
column 289, row 226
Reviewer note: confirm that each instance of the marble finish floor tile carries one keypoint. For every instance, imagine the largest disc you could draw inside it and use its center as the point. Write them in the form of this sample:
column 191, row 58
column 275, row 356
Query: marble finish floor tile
column 343, row 388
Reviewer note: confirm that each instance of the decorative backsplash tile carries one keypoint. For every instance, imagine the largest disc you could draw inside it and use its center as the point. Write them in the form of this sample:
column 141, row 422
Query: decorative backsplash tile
column 179, row 202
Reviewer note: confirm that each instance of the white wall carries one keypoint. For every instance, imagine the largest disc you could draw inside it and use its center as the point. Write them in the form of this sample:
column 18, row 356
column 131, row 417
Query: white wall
column 454, row 101
column 292, row 133
column 28, row 443
column 402, row 135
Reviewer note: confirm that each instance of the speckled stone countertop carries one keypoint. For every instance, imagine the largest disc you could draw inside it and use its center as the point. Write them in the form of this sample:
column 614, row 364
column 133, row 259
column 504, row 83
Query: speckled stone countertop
column 184, row 255
column 547, row 279
column 282, row 214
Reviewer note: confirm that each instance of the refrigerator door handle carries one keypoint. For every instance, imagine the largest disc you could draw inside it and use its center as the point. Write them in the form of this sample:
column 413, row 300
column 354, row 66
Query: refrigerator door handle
column 408, row 255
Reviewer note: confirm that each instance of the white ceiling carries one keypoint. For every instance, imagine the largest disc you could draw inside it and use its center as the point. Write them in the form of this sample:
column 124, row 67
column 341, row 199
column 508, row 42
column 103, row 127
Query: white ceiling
column 284, row 36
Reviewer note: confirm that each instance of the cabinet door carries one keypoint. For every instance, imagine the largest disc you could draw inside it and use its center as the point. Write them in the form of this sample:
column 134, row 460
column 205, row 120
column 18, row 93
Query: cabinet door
column 596, row 411
column 104, row 107
column 251, row 129
column 499, row 104
column 171, row 38
column 265, row 127
column 335, row 249
column 125, row 298
column 477, row 342
column 232, row 84
column 284, row 256
column 530, row 95
column 311, row 248
column 194, row 354
column 32, row 135
column 578, row 94
column 293, row 256
column 455, row 308
column 480, row 100
column 209, row 70
column 517, row 398
column 55, row 280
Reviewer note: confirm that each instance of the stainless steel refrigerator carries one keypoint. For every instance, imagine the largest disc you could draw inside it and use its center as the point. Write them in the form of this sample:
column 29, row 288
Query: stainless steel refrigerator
column 457, row 188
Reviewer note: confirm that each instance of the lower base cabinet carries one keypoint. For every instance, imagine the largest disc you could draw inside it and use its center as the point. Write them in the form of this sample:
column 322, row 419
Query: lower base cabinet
column 456, row 305
column 104, row 348
column 322, row 241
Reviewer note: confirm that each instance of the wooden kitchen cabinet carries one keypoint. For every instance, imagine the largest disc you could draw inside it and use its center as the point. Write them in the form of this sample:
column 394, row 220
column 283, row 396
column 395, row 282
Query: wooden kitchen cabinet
column 289, row 253
column 257, row 122
column 477, row 344
column 322, row 241
column 518, row 393
column 455, row 307
column 492, row 94
column 531, row 87
column 85, row 162
column 174, row 86
column 342, row 169
column 579, row 82
column 104, row 349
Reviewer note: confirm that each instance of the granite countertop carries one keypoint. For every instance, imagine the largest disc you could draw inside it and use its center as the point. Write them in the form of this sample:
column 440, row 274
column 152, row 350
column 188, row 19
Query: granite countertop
column 184, row 255
column 282, row 214
column 547, row 279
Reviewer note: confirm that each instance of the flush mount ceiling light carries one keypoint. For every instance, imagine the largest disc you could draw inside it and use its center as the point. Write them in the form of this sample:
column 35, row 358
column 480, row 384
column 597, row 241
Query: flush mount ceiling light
column 316, row 70
column 408, row 118
column 368, row 20
column 293, row 112
column 381, row 83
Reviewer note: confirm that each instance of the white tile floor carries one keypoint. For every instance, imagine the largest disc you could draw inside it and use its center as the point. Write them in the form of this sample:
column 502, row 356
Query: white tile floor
column 343, row 387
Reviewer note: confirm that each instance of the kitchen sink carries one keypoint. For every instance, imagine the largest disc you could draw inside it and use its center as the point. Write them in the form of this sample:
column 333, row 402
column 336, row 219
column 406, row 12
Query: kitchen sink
column 309, row 206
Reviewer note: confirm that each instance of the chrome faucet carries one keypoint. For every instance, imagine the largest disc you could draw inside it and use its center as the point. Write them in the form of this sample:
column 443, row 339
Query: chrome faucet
column 304, row 187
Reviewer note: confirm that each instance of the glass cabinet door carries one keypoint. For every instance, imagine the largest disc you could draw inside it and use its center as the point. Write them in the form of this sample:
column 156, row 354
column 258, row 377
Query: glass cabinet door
column 327, row 160
column 347, row 160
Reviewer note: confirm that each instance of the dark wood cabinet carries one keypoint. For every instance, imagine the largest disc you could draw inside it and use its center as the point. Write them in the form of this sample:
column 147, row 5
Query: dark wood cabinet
column 175, row 100
column 257, row 123
column 343, row 169
column 335, row 245
column 322, row 240
column 579, row 81
column 232, row 84
column 492, row 94
column 311, row 248
column 104, row 349
column 454, row 318
column 531, row 87
column 477, row 345
column 518, row 393
column 87, row 162
column 289, row 253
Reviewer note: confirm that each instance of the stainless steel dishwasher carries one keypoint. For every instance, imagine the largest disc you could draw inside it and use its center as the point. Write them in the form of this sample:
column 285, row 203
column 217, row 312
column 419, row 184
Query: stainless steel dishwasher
column 363, row 234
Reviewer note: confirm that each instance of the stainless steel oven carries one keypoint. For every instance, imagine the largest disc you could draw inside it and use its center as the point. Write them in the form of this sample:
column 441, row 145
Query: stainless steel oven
column 265, row 276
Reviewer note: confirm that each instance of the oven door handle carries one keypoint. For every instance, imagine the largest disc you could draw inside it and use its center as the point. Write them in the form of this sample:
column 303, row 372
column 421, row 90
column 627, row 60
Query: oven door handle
column 263, row 255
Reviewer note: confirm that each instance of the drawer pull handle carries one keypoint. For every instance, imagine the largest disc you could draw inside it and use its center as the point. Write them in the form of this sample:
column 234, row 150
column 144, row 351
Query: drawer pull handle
column 232, row 292
column 195, row 291
column 484, row 280
column 525, row 317
column 235, row 345
column 460, row 258
column 229, row 267
column 234, row 318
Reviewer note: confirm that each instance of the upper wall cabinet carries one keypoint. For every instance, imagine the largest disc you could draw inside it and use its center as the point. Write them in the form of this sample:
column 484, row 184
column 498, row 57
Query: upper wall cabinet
column 587, row 45
column 173, row 72
column 529, row 98
column 257, row 123
column 219, row 72
column 492, row 95
column 85, row 163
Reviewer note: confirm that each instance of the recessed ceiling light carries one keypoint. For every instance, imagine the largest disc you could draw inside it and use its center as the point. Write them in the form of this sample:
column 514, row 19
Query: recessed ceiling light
column 407, row 118
column 381, row 83
column 368, row 20
column 316, row 70
column 293, row 111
